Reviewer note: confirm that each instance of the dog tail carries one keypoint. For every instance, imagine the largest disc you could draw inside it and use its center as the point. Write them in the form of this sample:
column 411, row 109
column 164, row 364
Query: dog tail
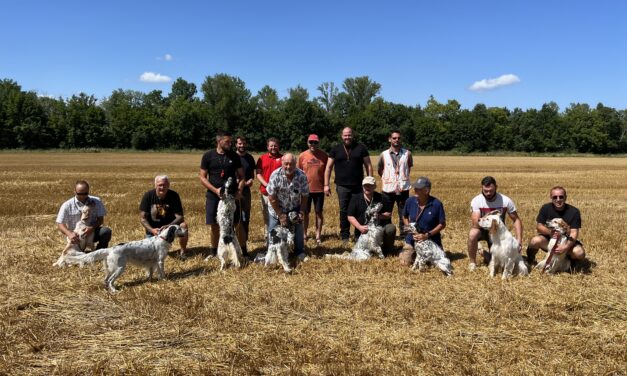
column 89, row 258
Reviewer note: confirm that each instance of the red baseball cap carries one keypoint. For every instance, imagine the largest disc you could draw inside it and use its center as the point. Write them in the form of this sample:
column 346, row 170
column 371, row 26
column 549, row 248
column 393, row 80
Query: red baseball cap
column 313, row 137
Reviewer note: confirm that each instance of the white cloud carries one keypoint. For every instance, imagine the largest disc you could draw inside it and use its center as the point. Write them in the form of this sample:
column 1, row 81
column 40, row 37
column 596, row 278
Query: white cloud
column 166, row 57
column 154, row 77
column 493, row 83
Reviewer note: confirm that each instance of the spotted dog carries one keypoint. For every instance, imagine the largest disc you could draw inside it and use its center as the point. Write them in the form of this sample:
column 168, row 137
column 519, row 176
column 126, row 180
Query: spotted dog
column 86, row 241
column 504, row 247
column 368, row 244
column 280, row 240
column 229, row 250
column 429, row 253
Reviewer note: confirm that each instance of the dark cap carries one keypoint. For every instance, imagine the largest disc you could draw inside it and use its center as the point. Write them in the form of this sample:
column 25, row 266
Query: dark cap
column 422, row 182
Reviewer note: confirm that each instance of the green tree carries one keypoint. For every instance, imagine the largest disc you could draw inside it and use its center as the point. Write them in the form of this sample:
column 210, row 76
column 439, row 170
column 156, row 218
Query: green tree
column 328, row 93
column 361, row 91
column 229, row 101
column 182, row 89
column 86, row 123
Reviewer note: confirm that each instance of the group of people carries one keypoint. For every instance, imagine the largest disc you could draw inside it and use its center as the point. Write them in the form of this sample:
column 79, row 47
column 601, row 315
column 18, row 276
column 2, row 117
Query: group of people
column 288, row 183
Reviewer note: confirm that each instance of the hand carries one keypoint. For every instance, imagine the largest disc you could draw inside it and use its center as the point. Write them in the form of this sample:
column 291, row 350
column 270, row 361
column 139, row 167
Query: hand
column 283, row 219
column 74, row 238
column 363, row 229
column 420, row 237
column 327, row 190
column 301, row 216
column 562, row 248
column 155, row 231
column 249, row 183
column 88, row 230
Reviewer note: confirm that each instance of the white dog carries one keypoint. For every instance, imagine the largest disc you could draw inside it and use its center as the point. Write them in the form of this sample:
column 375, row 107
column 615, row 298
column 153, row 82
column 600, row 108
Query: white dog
column 86, row 241
column 148, row 253
column 229, row 249
column 280, row 240
column 429, row 253
column 368, row 244
column 555, row 263
column 504, row 247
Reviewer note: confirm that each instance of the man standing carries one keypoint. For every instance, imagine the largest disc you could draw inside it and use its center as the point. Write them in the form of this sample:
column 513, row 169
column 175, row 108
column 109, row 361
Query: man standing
column 216, row 166
column 360, row 202
column 313, row 162
column 489, row 200
column 266, row 164
column 557, row 208
column 394, row 167
column 70, row 214
column 287, row 192
column 349, row 159
column 248, row 164
column 162, row 207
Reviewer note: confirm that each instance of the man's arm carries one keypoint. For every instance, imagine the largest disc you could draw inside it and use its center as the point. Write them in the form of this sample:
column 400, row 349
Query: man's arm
column 542, row 229
column 143, row 219
column 203, row 175
column 368, row 165
column 518, row 227
column 474, row 217
column 327, row 176
column 241, row 179
column 353, row 221
column 380, row 165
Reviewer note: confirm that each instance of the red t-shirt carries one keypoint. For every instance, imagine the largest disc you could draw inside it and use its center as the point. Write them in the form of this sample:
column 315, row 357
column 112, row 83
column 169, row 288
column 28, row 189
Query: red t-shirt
column 267, row 163
column 314, row 164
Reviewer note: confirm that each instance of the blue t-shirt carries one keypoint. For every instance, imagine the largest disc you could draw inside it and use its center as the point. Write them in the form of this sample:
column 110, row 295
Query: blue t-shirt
column 433, row 215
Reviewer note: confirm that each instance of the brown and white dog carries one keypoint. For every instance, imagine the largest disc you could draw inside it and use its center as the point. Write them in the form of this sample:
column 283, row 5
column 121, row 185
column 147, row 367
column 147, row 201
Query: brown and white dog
column 504, row 247
column 554, row 262
column 86, row 241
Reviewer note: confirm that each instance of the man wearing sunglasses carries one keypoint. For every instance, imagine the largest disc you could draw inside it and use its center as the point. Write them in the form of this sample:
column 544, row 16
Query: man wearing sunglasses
column 70, row 214
column 557, row 208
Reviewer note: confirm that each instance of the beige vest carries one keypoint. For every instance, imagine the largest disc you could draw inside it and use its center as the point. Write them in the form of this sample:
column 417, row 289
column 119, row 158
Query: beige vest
column 395, row 177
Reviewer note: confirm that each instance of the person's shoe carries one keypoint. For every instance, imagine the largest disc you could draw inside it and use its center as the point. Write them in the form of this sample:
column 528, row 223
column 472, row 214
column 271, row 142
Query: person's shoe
column 302, row 257
column 183, row 255
column 472, row 267
column 260, row 258
column 345, row 243
column 318, row 242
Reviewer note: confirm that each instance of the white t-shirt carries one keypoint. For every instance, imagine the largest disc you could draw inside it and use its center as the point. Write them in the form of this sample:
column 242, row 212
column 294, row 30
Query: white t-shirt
column 501, row 203
column 70, row 211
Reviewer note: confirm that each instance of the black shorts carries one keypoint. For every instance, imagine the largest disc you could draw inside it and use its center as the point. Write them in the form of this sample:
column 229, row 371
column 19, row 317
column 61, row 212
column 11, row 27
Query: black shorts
column 211, row 210
column 318, row 201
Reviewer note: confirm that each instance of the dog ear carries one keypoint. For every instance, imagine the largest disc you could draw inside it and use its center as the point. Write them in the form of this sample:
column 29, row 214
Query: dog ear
column 494, row 227
column 170, row 235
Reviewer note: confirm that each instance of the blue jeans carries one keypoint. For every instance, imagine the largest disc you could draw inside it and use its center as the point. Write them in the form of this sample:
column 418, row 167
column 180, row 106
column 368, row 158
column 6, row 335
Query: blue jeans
column 299, row 241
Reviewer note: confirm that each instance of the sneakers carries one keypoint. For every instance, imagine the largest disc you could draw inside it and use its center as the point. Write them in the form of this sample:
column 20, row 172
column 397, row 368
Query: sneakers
column 302, row 257
column 472, row 267
column 345, row 243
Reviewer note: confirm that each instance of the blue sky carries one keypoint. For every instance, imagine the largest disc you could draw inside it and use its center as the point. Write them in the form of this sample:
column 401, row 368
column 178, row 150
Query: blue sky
column 533, row 51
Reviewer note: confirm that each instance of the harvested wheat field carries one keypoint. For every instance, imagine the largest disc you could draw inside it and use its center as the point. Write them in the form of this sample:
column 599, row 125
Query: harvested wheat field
column 328, row 316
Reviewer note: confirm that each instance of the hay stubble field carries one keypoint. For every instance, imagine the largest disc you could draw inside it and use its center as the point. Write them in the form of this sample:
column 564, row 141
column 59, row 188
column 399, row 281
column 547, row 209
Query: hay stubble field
column 329, row 316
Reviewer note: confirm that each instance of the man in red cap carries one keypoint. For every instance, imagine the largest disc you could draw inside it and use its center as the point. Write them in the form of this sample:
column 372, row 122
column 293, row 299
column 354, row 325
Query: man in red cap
column 313, row 162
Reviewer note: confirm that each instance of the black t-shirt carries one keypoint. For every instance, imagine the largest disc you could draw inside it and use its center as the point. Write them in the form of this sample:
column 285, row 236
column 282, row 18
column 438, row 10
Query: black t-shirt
column 348, row 163
column 248, row 163
column 220, row 167
column 357, row 208
column 161, row 212
column 570, row 215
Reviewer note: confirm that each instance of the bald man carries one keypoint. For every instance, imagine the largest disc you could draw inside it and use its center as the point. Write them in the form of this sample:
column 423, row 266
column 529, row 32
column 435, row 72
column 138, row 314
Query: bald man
column 287, row 192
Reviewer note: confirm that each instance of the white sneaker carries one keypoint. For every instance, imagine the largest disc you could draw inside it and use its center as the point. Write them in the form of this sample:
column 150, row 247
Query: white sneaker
column 472, row 266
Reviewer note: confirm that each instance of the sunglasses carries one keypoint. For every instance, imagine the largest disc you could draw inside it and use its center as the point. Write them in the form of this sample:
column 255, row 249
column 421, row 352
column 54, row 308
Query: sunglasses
column 313, row 142
column 82, row 193
column 395, row 138
column 558, row 197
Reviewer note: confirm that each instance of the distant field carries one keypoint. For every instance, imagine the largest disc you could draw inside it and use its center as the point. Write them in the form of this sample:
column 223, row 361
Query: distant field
column 329, row 316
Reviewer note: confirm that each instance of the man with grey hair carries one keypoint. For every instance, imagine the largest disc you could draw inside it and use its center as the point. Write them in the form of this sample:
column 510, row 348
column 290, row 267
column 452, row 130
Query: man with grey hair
column 161, row 207
column 288, row 190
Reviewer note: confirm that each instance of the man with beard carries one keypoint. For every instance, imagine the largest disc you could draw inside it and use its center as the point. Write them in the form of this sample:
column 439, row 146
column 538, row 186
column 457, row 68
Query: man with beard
column 394, row 168
column 488, row 201
column 216, row 167
column 248, row 164
column 349, row 159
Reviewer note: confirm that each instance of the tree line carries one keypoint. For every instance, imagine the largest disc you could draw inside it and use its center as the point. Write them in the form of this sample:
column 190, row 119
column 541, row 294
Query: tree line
column 188, row 119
